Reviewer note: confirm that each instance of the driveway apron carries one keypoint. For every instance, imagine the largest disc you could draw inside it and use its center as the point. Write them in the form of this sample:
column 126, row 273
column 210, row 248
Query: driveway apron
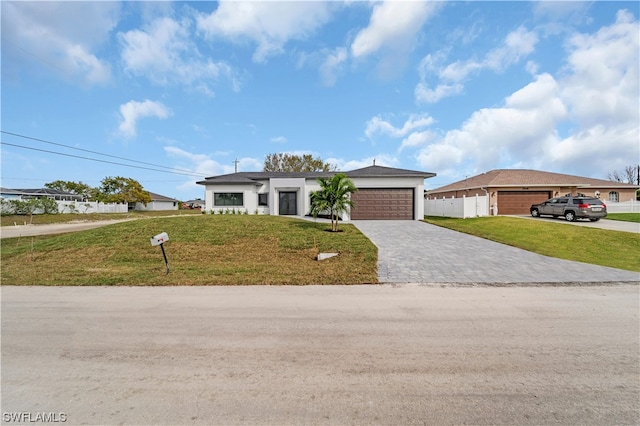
column 418, row 252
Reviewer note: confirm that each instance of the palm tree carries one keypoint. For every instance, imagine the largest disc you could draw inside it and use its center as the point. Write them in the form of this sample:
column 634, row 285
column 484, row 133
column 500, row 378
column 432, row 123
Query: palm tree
column 333, row 196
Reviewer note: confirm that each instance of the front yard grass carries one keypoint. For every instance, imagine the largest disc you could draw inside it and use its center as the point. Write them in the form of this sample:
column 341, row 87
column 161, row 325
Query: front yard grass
column 202, row 250
column 589, row 245
column 626, row 217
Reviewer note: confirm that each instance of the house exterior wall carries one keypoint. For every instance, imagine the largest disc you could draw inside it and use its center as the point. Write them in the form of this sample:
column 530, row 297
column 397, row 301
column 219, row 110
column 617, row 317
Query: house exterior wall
column 297, row 185
column 249, row 197
column 157, row 206
column 303, row 188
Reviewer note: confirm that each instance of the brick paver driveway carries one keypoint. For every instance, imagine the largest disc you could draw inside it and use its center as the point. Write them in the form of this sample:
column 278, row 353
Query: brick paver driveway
column 417, row 252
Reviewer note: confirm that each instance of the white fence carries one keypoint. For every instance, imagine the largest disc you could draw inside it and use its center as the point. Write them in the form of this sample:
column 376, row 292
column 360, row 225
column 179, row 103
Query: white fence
column 458, row 207
column 91, row 207
column 632, row 206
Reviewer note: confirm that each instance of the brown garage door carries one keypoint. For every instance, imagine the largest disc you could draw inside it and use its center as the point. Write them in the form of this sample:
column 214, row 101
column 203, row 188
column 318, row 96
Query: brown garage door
column 518, row 202
column 382, row 203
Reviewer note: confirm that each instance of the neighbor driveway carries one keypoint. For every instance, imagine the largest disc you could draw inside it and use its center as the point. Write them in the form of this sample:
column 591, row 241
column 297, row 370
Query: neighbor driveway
column 418, row 252
column 607, row 224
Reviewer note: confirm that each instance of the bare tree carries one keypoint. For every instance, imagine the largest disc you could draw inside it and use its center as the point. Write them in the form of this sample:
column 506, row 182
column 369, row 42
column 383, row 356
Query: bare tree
column 630, row 174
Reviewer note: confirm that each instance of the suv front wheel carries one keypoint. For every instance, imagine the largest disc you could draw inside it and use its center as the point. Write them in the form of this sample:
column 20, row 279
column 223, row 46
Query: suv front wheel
column 535, row 212
column 570, row 216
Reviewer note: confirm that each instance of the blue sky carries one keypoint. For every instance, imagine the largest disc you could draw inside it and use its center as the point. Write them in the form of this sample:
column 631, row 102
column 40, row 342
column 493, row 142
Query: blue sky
column 186, row 88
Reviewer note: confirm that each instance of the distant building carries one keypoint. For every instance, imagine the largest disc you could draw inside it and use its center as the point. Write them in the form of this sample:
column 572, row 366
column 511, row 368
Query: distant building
column 25, row 194
column 193, row 204
column 158, row 203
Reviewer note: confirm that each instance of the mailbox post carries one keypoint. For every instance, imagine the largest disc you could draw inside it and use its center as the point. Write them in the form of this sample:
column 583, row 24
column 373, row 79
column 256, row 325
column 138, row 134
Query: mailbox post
column 159, row 240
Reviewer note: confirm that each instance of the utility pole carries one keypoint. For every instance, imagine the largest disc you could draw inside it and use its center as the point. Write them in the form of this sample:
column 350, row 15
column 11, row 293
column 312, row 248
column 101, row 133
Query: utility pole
column 236, row 164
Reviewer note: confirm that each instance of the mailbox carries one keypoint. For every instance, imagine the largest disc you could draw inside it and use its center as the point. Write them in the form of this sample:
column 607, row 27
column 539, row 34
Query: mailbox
column 159, row 239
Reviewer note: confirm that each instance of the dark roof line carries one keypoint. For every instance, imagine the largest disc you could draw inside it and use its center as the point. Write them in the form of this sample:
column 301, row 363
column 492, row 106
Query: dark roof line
column 158, row 197
column 370, row 171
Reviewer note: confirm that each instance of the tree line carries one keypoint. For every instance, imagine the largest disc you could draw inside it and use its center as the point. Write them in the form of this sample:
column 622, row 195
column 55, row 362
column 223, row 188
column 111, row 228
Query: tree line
column 116, row 189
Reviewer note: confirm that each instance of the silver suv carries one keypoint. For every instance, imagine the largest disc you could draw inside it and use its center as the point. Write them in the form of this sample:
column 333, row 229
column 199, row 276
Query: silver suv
column 571, row 208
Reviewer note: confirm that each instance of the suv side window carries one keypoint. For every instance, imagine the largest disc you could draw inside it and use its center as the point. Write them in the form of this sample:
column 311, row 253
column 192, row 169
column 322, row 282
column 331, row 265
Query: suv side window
column 563, row 200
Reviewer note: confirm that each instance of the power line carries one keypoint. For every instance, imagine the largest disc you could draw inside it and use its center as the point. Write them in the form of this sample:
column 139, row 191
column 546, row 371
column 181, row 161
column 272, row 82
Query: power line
column 102, row 161
column 94, row 152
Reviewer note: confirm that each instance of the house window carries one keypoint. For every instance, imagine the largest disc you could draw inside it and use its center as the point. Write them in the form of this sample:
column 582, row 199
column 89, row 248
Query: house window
column 228, row 199
column 613, row 196
column 263, row 199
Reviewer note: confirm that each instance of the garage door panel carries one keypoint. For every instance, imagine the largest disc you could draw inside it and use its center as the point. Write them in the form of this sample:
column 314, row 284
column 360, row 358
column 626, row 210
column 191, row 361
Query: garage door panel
column 382, row 203
column 518, row 202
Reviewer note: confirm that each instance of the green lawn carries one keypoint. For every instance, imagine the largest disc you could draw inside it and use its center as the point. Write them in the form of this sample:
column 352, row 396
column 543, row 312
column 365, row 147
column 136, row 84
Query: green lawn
column 626, row 217
column 202, row 250
column 597, row 246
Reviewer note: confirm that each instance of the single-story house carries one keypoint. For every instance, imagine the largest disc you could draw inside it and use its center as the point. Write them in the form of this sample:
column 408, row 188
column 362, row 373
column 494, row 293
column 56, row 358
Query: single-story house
column 54, row 194
column 383, row 192
column 512, row 191
column 158, row 202
column 11, row 194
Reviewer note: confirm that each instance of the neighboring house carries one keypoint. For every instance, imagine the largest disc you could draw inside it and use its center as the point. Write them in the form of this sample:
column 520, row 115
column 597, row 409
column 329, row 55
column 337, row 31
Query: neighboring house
column 158, row 202
column 383, row 192
column 513, row 191
column 11, row 194
column 54, row 194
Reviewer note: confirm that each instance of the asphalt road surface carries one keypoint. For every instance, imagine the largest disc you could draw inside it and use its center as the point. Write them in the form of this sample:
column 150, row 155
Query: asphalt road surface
column 332, row 355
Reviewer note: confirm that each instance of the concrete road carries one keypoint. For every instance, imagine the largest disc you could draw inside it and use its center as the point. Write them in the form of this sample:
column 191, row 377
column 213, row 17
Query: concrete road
column 385, row 354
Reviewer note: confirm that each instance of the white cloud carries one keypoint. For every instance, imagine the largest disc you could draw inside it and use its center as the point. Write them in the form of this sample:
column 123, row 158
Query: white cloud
column 524, row 127
column 164, row 52
column 424, row 94
column 415, row 121
column 205, row 165
column 58, row 36
column 268, row 24
column 132, row 111
column 517, row 45
column 278, row 139
column 416, row 139
column 201, row 164
column 584, row 122
column 393, row 25
column 602, row 82
column 348, row 165
column 559, row 10
column 332, row 65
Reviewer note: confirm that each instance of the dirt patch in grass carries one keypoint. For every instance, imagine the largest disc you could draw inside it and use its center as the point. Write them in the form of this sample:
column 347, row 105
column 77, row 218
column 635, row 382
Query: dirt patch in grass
column 209, row 249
